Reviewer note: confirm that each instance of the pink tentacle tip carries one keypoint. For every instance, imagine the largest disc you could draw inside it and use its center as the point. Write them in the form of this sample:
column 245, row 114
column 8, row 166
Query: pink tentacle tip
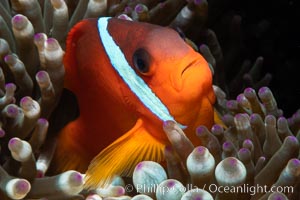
column 296, row 162
column 22, row 186
column 9, row 59
column 248, row 142
column 240, row 116
column 139, row 8
column 171, row 184
column 139, row 166
column 281, row 119
column 198, row 2
column 168, row 124
column 18, row 18
column 200, row 149
column 39, row 36
column 240, row 98
column 13, row 142
column 120, row 191
column 232, row 161
column 292, row 138
column 77, row 177
column 249, row 90
column 2, row 133
column 10, row 86
column 278, row 197
column 227, row 145
column 162, row 5
column 19, row 21
column 25, row 100
column 263, row 90
column 12, row 110
column 51, row 44
column 127, row 9
column 253, row 117
column 41, row 75
column 42, row 121
column 244, row 150
column 216, row 127
column 200, row 130
column 226, row 117
column 230, row 103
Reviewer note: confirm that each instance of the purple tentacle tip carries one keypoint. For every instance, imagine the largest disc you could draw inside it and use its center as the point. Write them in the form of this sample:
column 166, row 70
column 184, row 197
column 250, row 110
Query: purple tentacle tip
column 197, row 2
column 22, row 186
column 244, row 150
column 128, row 9
column 247, row 141
column 168, row 124
column 292, row 138
column 240, row 98
column 121, row 191
column 198, row 198
column 296, row 162
column 51, row 44
column 249, row 90
column 139, row 8
column 10, row 85
column 226, row 144
column 2, row 133
column 200, row 149
column 232, row 161
column 18, row 18
column 278, row 197
column 200, row 130
column 78, row 177
column 41, row 75
column 263, row 90
column 12, row 142
column 10, row 59
column 139, row 166
column 230, row 103
column 12, row 110
column 42, row 121
column 38, row 36
column 171, row 184
column 216, row 127
column 51, row 40
column 25, row 100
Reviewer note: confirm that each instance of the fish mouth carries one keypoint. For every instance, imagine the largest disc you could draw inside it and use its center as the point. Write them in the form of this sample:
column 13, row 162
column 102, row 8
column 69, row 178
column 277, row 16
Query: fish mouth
column 191, row 64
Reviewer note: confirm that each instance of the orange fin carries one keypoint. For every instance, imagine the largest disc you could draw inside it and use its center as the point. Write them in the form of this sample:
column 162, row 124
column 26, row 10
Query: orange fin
column 217, row 119
column 121, row 157
column 68, row 154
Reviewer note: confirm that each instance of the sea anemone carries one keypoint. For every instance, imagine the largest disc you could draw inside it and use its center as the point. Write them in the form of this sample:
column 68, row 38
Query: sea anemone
column 254, row 144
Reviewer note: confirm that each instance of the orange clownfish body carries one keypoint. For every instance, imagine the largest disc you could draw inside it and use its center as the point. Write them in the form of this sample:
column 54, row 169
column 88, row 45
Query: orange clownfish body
column 129, row 78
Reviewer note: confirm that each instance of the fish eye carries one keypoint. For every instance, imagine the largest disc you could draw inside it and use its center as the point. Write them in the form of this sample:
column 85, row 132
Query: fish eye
column 141, row 60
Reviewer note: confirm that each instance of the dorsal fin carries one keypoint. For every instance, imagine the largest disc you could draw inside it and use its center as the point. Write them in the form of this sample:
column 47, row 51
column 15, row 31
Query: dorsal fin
column 70, row 57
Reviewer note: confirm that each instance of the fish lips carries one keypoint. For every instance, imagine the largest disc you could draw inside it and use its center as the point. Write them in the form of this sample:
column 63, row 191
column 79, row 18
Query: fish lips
column 178, row 77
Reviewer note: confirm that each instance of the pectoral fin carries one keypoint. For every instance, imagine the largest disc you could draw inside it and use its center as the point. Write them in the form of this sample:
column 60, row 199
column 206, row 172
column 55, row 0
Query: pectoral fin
column 121, row 157
column 217, row 119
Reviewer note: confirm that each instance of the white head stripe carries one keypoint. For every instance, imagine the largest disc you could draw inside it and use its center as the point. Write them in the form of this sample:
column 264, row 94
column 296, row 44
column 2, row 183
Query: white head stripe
column 134, row 82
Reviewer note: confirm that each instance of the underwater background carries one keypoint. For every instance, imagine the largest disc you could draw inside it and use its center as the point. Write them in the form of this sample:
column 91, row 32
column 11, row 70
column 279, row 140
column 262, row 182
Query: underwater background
column 254, row 48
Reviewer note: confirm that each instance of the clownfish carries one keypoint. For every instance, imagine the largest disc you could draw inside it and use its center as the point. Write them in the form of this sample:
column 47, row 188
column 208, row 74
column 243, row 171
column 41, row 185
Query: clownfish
column 129, row 77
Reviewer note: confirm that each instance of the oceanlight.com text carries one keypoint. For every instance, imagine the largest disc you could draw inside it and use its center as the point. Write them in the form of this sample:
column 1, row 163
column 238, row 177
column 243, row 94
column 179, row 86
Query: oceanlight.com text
column 211, row 188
